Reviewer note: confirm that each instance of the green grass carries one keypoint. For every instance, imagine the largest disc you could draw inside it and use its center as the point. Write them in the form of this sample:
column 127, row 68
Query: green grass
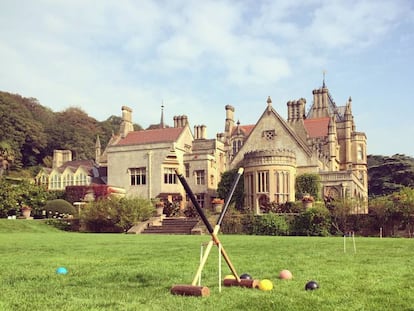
column 136, row 272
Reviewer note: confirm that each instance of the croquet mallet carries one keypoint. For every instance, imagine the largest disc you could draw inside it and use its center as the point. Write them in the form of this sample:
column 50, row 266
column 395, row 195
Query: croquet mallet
column 193, row 289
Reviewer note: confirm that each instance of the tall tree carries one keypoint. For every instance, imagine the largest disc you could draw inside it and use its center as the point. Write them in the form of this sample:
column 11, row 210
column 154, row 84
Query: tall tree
column 389, row 174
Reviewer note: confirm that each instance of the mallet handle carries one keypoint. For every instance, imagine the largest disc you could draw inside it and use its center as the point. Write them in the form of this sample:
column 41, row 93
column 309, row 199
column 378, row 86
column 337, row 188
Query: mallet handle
column 229, row 195
column 205, row 220
column 194, row 201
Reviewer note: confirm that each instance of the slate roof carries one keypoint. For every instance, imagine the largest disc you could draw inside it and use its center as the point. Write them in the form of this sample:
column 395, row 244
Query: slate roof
column 151, row 136
column 317, row 127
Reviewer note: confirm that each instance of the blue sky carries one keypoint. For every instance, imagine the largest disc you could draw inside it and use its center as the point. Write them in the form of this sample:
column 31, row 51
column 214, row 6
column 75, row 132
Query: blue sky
column 198, row 56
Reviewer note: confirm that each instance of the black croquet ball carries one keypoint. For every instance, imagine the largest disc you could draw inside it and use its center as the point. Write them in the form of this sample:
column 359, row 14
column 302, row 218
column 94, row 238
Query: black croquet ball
column 245, row 276
column 311, row 285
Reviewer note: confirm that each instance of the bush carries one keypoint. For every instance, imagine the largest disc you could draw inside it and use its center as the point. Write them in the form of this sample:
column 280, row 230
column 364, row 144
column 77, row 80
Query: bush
column 113, row 215
column 59, row 209
column 171, row 209
column 315, row 221
column 270, row 224
column 64, row 224
column 236, row 222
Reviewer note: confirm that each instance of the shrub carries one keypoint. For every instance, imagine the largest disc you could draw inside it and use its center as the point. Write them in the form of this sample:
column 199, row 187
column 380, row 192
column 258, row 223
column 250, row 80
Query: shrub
column 270, row 224
column 236, row 222
column 171, row 209
column 64, row 224
column 315, row 221
column 59, row 208
column 113, row 215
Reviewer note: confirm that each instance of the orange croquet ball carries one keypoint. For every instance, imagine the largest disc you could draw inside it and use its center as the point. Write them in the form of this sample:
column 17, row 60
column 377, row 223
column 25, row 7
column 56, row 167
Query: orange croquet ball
column 265, row 285
column 285, row 275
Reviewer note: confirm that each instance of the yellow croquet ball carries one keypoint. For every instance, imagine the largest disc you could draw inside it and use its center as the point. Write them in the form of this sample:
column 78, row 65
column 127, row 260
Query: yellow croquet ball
column 265, row 285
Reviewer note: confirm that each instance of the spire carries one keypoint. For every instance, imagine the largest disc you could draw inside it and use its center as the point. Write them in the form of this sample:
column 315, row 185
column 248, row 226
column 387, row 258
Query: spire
column 269, row 103
column 162, row 125
column 324, row 73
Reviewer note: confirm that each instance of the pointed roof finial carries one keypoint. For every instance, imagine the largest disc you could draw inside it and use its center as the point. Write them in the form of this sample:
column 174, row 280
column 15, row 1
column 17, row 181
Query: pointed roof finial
column 162, row 115
column 324, row 73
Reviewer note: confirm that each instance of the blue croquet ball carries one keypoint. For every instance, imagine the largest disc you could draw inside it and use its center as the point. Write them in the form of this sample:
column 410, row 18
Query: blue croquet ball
column 311, row 285
column 245, row 276
column 61, row 270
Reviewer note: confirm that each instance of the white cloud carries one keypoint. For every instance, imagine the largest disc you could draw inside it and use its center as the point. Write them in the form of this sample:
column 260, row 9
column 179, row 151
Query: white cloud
column 196, row 55
column 353, row 24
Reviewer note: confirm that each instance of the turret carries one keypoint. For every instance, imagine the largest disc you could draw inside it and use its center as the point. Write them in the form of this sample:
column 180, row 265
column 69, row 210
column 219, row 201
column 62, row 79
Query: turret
column 332, row 143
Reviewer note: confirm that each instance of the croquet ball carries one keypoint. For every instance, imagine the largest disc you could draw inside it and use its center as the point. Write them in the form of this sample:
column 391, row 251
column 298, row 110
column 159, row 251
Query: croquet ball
column 311, row 285
column 265, row 285
column 229, row 277
column 61, row 270
column 245, row 276
column 285, row 275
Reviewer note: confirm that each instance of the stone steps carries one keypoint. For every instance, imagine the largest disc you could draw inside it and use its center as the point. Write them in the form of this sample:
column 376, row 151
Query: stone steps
column 173, row 225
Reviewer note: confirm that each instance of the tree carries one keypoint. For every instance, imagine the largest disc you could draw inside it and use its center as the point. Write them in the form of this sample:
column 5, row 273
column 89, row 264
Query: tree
column 33, row 132
column 387, row 175
column 404, row 202
column 224, row 188
column 308, row 184
column 13, row 196
column 6, row 156
column 340, row 210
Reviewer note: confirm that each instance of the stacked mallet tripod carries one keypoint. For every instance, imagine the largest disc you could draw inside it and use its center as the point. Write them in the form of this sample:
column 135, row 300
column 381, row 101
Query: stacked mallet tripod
column 197, row 290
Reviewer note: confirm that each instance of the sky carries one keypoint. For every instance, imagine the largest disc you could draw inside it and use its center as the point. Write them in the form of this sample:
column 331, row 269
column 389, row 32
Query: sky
column 195, row 57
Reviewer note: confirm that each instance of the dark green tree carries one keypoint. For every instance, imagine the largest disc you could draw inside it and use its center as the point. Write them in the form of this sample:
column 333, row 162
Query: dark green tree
column 224, row 188
column 308, row 184
column 387, row 175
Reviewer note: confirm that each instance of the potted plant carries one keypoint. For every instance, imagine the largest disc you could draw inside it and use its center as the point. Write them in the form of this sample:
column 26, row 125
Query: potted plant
column 217, row 204
column 307, row 200
column 26, row 210
column 159, row 206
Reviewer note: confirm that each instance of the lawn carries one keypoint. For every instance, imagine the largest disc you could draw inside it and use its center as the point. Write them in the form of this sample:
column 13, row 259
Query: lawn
column 136, row 272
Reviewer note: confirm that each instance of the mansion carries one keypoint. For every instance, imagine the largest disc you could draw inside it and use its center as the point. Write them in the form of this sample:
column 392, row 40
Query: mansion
column 273, row 152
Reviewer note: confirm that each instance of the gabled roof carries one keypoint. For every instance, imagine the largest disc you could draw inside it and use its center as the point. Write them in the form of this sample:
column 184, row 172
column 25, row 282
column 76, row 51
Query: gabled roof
column 163, row 135
column 317, row 127
column 76, row 163
column 245, row 129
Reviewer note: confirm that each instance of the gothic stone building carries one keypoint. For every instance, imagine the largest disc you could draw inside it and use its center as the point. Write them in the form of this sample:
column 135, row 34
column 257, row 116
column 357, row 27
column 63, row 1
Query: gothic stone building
column 144, row 162
column 275, row 151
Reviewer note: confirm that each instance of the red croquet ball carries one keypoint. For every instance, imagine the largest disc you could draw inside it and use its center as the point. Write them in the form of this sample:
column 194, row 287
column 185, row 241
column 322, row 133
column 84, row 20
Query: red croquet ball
column 285, row 275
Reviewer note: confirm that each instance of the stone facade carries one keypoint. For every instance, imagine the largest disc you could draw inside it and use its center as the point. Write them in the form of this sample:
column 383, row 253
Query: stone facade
column 67, row 172
column 275, row 151
column 144, row 162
